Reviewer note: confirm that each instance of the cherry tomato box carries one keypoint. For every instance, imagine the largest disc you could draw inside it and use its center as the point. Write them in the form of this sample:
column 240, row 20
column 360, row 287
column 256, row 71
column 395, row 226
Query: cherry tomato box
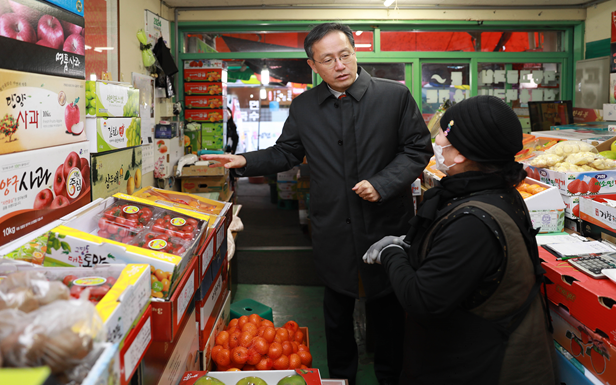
column 38, row 37
column 39, row 111
column 40, row 186
column 96, row 235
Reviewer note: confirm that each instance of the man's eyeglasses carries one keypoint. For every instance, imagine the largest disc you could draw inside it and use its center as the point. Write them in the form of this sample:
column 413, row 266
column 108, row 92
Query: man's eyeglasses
column 344, row 59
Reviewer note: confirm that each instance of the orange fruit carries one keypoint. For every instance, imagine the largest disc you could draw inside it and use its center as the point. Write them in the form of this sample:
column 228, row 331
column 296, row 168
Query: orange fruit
column 232, row 323
column 239, row 355
column 266, row 322
column 269, row 334
column 234, row 339
column 261, row 345
column 287, row 348
column 295, row 346
column 295, row 361
column 253, row 356
column 302, row 347
column 250, row 328
column 223, row 358
column 306, row 357
column 245, row 339
column 266, row 363
column 303, row 367
column 255, row 319
column 242, row 320
column 274, row 351
column 222, row 339
column 234, row 370
column 298, row 337
column 281, row 363
column 215, row 351
column 292, row 326
column 282, row 335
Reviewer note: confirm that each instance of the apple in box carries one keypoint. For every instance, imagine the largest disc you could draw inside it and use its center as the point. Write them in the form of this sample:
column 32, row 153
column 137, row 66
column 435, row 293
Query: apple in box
column 42, row 185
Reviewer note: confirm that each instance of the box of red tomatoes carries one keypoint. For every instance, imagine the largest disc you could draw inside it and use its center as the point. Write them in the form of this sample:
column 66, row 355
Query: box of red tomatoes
column 121, row 292
column 125, row 229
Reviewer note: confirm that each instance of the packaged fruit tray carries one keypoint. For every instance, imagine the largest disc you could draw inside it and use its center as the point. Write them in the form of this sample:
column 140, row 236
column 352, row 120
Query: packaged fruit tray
column 123, row 221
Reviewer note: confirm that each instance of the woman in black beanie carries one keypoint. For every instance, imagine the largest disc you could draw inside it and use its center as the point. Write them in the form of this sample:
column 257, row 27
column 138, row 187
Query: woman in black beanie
column 468, row 272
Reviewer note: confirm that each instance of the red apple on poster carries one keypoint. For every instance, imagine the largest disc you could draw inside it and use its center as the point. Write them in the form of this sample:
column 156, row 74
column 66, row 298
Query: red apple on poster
column 49, row 28
column 31, row 14
column 16, row 27
column 72, row 160
column 72, row 118
column 43, row 199
column 59, row 181
column 70, row 28
column 75, row 43
column 60, row 201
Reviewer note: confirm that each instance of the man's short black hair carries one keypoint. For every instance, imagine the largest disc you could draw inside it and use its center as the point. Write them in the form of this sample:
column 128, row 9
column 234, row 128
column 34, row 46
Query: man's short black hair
column 317, row 33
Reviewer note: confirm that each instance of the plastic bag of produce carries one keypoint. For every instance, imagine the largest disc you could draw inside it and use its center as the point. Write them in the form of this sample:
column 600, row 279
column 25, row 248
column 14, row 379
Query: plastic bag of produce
column 60, row 335
column 29, row 290
column 569, row 147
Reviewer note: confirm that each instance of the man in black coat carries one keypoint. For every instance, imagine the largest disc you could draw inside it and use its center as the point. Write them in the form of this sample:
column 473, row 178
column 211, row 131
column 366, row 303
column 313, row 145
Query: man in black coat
column 366, row 142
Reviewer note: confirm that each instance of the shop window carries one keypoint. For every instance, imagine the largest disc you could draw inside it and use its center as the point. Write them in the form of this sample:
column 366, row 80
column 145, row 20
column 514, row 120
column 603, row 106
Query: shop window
column 391, row 71
column 260, row 42
column 101, row 20
column 442, row 82
column 471, row 41
column 520, row 83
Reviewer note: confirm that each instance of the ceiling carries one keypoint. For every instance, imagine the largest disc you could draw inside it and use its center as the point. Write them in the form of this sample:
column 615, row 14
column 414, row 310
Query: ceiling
column 367, row 4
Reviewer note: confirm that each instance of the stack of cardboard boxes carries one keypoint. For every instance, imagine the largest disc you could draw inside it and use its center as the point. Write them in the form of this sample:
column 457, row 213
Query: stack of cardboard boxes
column 205, row 103
column 45, row 158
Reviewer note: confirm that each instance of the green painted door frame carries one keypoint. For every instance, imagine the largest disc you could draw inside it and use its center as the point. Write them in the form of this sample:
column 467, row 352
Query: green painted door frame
column 572, row 43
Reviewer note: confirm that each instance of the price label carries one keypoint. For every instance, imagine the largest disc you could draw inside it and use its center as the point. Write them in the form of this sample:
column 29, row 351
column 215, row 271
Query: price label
column 206, row 257
column 133, row 355
column 185, row 296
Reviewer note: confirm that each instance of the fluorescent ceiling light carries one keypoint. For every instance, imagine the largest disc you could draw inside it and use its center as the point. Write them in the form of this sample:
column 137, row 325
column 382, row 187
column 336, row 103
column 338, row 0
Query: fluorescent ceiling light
column 363, row 45
column 265, row 77
column 387, row 3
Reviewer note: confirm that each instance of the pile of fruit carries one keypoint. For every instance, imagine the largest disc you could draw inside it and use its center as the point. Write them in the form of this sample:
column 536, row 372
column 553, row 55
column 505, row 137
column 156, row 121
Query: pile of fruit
column 527, row 190
column 253, row 343
column 573, row 156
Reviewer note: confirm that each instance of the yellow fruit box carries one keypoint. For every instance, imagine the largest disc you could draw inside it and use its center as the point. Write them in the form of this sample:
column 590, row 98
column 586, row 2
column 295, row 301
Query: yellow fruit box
column 121, row 307
column 81, row 247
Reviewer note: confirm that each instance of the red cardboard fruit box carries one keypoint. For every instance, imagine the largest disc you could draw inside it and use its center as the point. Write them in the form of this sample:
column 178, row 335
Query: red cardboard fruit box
column 168, row 315
column 42, row 38
column 204, row 101
column 166, row 362
column 40, row 186
column 310, row 376
column 216, row 115
column 205, row 88
column 135, row 346
column 592, row 350
column 222, row 319
column 39, row 111
column 209, row 308
column 589, row 300
column 596, row 210
column 205, row 75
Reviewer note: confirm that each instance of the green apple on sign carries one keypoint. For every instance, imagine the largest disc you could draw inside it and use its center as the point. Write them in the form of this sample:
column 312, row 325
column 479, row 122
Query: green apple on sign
column 207, row 380
column 251, row 381
column 294, row 379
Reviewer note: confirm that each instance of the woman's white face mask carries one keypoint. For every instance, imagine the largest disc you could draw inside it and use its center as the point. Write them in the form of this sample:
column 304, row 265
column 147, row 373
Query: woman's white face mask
column 440, row 159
